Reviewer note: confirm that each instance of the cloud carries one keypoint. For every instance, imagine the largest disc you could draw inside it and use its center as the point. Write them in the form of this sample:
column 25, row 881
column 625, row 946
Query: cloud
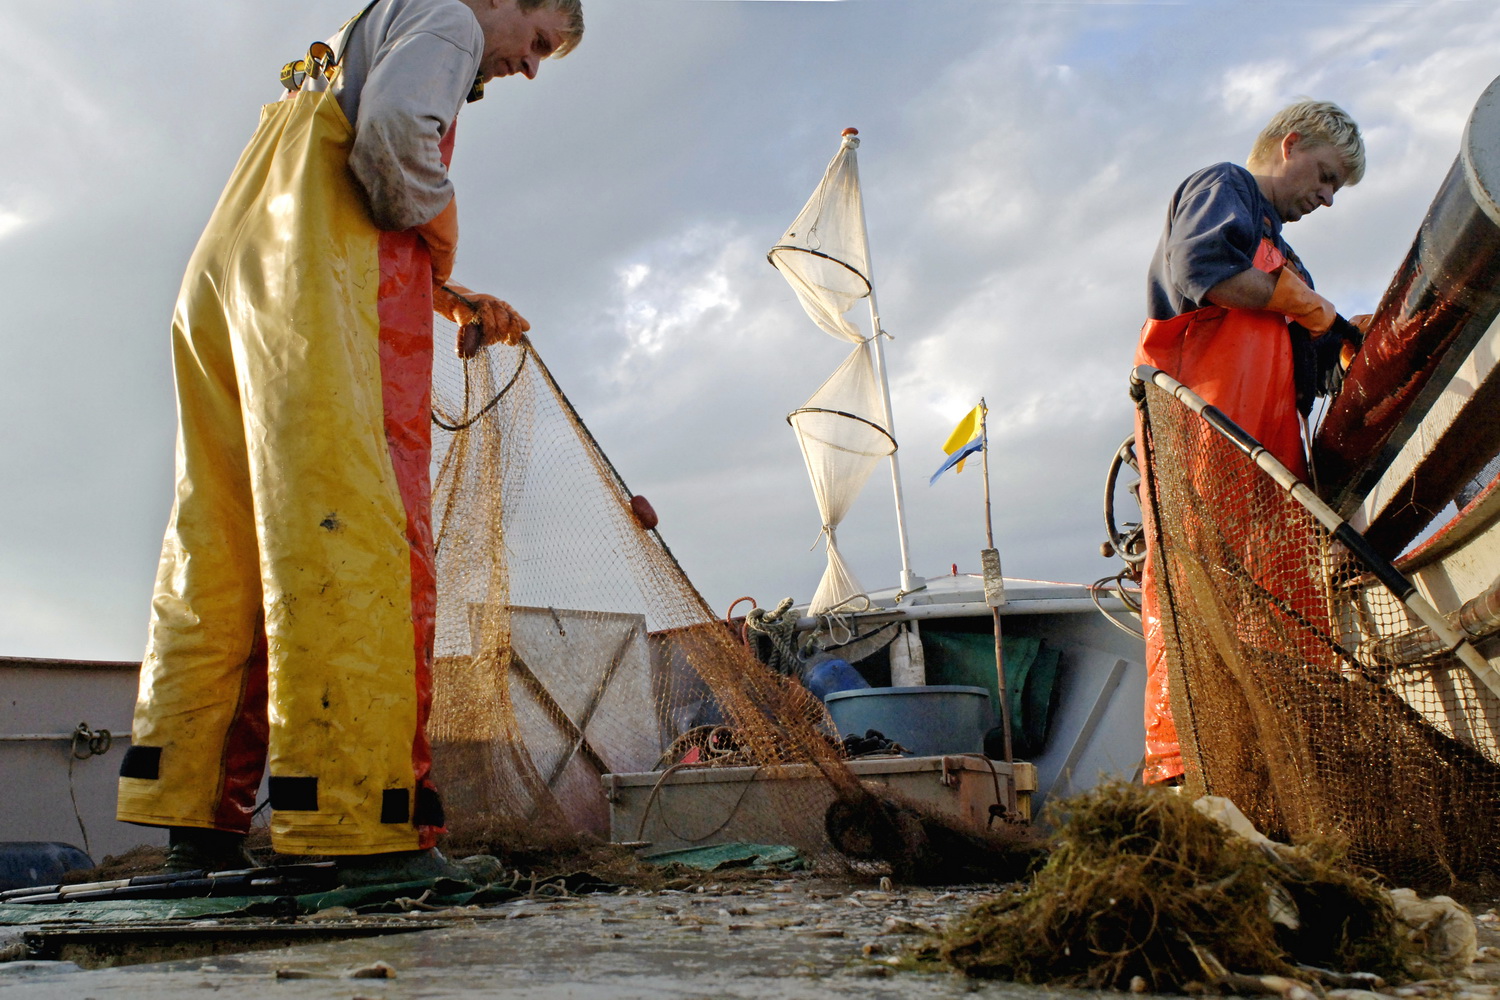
column 11, row 221
column 676, row 290
column 1017, row 161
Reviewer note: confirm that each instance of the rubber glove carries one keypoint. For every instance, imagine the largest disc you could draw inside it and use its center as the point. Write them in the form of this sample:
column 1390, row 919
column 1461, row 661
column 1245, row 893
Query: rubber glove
column 1351, row 347
column 482, row 319
column 1301, row 304
column 441, row 236
column 1322, row 360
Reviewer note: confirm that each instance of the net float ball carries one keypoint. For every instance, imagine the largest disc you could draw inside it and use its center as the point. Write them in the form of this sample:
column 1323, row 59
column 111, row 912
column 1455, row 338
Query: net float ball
column 645, row 514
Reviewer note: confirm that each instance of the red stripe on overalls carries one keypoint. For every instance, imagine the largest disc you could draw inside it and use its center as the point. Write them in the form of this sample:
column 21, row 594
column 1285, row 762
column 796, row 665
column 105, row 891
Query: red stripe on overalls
column 405, row 311
column 244, row 755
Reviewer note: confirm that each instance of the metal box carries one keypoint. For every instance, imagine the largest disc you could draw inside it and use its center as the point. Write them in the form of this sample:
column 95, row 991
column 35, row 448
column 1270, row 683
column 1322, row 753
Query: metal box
column 695, row 807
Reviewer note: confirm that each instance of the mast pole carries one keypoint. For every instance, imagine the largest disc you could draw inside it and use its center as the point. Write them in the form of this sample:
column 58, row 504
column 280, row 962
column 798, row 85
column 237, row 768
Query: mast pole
column 908, row 581
column 991, row 554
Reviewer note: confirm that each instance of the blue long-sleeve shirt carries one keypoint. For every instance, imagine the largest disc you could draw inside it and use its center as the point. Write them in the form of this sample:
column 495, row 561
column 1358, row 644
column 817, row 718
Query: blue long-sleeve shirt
column 1215, row 223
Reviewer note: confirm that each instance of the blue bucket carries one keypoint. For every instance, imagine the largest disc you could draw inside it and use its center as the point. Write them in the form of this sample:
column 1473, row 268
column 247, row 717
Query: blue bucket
column 928, row 721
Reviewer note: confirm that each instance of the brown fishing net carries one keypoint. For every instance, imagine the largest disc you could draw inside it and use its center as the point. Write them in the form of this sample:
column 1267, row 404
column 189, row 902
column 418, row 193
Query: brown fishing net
column 1301, row 687
column 569, row 642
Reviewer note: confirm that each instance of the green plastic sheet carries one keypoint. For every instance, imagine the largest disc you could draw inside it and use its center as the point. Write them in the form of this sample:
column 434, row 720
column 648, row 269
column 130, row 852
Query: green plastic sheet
column 366, row 899
column 720, row 857
column 1031, row 667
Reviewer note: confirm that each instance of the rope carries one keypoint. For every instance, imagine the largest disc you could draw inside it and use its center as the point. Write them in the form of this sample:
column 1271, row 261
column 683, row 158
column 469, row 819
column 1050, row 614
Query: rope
column 777, row 626
column 86, row 743
column 717, row 744
column 465, row 425
column 656, row 790
column 1102, row 585
column 729, row 620
column 719, row 748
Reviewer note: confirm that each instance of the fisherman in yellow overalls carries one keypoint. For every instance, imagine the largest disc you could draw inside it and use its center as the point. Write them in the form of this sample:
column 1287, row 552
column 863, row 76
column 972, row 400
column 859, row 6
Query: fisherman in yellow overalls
column 292, row 621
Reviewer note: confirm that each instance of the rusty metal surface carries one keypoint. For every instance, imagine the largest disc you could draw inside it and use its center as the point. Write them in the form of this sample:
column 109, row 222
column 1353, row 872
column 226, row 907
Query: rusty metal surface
column 1443, row 298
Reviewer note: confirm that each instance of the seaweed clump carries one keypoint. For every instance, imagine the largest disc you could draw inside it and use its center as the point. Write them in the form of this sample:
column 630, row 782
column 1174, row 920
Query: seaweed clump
column 1144, row 891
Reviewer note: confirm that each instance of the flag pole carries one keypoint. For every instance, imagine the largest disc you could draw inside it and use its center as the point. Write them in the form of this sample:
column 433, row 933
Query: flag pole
column 908, row 581
column 994, row 596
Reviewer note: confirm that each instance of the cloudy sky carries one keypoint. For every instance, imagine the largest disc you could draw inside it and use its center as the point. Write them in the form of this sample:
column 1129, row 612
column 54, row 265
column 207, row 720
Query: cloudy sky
column 1017, row 158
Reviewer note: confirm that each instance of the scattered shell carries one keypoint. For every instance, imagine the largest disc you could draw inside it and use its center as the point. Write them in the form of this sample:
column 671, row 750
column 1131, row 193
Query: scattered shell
column 332, row 913
column 885, row 883
column 870, row 971
column 377, row 970
column 1137, row 984
column 901, row 925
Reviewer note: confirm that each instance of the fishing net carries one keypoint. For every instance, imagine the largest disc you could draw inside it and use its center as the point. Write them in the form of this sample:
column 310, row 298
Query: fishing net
column 569, row 643
column 1302, row 688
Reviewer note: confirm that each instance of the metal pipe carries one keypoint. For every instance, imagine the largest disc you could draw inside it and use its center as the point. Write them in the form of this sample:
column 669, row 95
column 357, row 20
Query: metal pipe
column 1479, row 618
column 908, row 581
column 1440, row 302
column 989, row 537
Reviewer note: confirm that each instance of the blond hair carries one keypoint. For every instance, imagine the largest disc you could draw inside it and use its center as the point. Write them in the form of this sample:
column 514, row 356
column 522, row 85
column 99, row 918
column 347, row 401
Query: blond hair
column 1319, row 123
column 573, row 9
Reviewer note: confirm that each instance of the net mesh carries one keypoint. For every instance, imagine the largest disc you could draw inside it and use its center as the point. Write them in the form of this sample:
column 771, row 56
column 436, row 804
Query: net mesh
column 569, row 643
column 1301, row 686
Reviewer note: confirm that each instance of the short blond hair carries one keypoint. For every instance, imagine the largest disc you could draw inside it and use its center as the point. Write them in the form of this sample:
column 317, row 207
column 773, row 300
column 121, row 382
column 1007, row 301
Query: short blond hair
column 1319, row 123
column 572, row 9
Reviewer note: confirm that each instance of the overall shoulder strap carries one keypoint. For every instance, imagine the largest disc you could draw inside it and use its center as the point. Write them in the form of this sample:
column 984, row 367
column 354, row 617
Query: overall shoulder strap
column 321, row 63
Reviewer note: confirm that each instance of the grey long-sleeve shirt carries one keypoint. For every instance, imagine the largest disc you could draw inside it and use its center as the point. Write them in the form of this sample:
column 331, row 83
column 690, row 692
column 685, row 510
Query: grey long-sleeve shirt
column 408, row 67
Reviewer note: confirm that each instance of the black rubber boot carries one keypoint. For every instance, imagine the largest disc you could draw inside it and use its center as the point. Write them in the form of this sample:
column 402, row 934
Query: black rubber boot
column 396, row 866
column 190, row 848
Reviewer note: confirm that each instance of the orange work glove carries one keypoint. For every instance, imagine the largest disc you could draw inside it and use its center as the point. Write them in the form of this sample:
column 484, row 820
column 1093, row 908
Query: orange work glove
column 482, row 319
column 1301, row 304
column 441, row 235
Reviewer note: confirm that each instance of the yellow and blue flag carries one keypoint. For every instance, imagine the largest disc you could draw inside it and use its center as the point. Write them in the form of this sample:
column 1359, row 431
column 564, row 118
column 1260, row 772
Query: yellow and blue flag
column 966, row 439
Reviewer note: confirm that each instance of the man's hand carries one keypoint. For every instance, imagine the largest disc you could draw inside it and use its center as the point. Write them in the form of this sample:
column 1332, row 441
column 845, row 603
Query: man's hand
column 495, row 321
column 1352, row 344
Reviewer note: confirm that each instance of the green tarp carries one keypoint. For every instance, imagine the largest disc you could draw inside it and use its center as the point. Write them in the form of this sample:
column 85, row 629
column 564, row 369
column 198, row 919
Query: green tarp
column 367, row 899
column 718, row 857
column 1030, row 675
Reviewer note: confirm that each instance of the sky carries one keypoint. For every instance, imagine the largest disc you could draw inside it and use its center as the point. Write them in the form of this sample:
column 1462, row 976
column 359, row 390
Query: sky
column 1017, row 158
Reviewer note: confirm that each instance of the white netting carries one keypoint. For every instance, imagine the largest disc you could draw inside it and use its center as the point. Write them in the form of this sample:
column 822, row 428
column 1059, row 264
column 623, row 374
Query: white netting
column 842, row 441
column 823, row 253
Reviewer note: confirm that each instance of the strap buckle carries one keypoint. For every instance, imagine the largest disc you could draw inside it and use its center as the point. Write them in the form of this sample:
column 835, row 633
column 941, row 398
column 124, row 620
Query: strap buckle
column 321, row 63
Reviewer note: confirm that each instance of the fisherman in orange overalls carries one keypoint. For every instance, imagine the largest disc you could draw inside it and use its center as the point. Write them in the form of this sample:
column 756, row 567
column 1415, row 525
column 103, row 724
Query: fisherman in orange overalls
column 1233, row 316
column 292, row 620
